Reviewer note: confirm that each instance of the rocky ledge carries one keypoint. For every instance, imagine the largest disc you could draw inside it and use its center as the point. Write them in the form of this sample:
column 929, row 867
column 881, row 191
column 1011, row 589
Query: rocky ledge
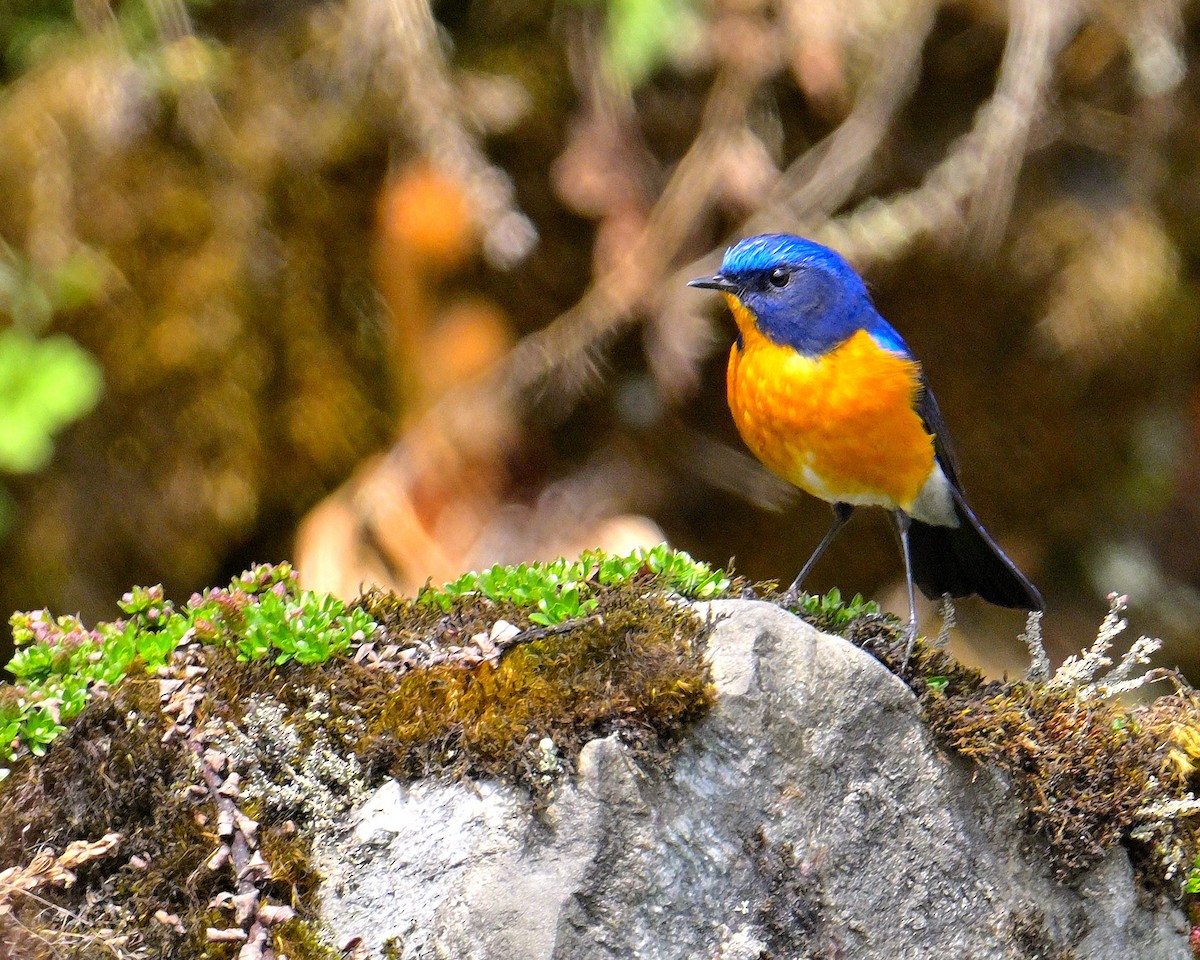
column 809, row 814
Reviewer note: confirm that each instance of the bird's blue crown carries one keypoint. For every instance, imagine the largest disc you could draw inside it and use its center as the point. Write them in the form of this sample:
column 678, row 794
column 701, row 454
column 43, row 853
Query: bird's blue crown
column 804, row 295
column 767, row 251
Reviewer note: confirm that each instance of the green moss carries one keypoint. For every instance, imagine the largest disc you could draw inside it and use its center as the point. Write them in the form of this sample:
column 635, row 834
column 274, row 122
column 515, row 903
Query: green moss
column 1083, row 769
column 636, row 667
column 294, row 879
column 300, row 940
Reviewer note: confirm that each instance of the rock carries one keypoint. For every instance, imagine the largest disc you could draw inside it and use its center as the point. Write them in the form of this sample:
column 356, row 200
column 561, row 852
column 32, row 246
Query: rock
column 809, row 815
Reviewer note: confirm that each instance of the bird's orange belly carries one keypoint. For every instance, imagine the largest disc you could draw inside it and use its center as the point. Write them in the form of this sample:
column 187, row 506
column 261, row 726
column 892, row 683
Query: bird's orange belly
column 841, row 426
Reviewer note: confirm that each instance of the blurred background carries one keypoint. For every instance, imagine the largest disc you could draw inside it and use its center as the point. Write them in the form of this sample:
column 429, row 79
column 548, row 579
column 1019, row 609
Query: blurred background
column 396, row 289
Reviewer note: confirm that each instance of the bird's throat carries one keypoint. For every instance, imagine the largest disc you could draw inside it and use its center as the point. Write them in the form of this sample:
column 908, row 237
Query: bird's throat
column 743, row 318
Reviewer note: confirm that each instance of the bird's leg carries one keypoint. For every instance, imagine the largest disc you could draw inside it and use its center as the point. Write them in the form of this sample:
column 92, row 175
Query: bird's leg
column 902, row 522
column 841, row 513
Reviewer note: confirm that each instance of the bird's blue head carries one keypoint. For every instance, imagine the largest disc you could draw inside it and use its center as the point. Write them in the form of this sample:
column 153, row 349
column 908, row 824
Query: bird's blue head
column 797, row 293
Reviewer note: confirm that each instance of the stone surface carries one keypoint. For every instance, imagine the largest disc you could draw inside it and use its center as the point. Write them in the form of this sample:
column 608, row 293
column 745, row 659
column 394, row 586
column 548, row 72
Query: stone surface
column 809, row 815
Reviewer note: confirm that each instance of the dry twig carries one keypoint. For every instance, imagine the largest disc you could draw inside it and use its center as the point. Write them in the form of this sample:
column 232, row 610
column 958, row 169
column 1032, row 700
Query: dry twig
column 238, row 834
column 823, row 178
column 51, row 869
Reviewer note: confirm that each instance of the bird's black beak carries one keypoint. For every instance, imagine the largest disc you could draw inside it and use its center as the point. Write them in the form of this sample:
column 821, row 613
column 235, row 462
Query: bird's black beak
column 715, row 283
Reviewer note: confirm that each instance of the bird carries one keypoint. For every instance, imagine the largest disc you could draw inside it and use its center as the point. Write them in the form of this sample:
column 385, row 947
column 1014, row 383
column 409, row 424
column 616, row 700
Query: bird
column 826, row 393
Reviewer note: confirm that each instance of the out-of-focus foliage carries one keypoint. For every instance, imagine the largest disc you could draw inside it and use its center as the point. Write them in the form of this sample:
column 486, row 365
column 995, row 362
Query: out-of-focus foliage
column 643, row 35
column 173, row 202
column 44, row 385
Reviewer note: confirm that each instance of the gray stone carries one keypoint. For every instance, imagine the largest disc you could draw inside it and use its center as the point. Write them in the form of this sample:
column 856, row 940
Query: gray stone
column 809, row 815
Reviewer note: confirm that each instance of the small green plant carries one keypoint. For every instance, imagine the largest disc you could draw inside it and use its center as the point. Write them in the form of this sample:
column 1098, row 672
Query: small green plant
column 552, row 589
column 263, row 614
column 831, row 612
column 1192, row 885
column 563, row 590
column 308, row 629
column 687, row 577
column 59, row 662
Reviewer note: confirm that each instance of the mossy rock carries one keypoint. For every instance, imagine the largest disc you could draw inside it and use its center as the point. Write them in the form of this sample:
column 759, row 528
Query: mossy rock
column 452, row 684
column 259, row 715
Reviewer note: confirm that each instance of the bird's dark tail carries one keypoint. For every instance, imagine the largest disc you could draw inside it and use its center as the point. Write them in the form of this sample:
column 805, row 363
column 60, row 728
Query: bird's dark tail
column 964, row 560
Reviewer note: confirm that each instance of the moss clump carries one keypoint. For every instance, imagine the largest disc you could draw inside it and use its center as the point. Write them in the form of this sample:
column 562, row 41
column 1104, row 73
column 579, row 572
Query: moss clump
column 299, row 940
column 110, row 772
column 1091, row 769
column 635, row 666
column 1090, row 772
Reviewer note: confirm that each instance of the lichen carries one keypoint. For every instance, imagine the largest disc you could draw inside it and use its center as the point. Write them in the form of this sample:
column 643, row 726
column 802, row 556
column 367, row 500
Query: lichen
column 312, row 783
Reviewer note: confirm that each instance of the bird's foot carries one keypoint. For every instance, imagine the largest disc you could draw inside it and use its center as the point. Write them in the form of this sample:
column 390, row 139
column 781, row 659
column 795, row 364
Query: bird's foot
column 791, row 596
column 748, row 593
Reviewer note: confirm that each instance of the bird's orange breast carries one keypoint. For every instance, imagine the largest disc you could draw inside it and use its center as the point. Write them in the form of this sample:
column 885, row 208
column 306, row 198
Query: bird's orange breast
column 841, row 426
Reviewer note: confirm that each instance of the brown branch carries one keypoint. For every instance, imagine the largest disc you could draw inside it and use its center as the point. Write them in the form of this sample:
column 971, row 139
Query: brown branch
column 563, row 352
column 405, row 36
column 823, row 178
column 984, row 164
column 563, row 349
column 812, row 187
column 1037, row 34
column 975, row 182
column 200, row 114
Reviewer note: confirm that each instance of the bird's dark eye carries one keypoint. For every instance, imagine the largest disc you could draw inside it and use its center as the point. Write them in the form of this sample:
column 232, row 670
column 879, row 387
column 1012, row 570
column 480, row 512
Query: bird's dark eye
column 780, row 276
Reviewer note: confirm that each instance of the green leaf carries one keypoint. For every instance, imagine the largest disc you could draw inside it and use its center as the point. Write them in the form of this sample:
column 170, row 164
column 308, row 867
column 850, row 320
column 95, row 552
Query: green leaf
column 44, row 385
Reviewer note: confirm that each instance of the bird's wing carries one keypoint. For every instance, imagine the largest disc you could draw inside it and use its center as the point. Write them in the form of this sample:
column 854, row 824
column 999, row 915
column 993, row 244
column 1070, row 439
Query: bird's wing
column 931, row 416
